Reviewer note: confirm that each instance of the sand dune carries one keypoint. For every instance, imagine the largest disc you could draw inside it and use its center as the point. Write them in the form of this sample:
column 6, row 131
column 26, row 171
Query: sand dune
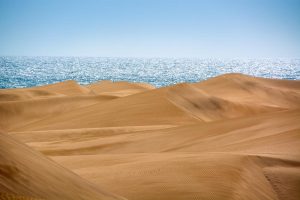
column 18, row 113
column 25, row 172
column 261, row 91
column 234, row 135
column 179, row 104
column 142, row 109
column 67, row 88
column 230, row 137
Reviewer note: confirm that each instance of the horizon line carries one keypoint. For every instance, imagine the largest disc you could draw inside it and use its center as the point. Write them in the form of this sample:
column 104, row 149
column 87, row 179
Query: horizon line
column 156, row 57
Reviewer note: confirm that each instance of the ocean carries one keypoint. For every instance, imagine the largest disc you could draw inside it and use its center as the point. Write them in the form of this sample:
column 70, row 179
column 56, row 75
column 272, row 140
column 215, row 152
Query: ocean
column 19, row 72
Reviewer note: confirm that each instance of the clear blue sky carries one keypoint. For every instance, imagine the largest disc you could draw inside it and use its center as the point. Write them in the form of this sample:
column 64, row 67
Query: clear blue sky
column 151, row 28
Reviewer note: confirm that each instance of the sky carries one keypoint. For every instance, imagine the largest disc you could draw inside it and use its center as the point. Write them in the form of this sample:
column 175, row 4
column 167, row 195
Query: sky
column 151, row 28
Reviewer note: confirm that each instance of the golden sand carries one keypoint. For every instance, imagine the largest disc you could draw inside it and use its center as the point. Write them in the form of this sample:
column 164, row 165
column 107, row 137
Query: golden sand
column 230, row 137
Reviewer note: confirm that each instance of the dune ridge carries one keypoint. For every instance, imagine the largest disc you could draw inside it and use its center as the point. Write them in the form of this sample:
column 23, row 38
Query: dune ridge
column 229, row 137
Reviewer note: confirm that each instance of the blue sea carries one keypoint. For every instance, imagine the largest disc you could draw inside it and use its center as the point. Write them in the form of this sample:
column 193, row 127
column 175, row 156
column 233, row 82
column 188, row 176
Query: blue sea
column 18, row 72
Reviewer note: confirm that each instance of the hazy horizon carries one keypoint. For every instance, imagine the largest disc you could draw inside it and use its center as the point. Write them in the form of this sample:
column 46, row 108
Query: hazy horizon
column 155, row 57
column 233, row 29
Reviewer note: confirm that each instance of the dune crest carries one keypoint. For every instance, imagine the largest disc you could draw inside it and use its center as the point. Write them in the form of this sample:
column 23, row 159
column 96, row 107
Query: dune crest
column 66, row 88
column 120, row 88
column 229, row 137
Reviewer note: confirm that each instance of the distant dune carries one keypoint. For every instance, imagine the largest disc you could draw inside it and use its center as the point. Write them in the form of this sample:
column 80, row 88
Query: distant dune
column 229, row 137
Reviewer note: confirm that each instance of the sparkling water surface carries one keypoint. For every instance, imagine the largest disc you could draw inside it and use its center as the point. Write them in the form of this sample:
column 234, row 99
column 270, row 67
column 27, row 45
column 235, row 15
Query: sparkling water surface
column 16, row 72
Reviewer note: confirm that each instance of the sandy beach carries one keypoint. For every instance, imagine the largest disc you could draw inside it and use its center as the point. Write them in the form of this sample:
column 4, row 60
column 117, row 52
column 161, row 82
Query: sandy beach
column 230, row 137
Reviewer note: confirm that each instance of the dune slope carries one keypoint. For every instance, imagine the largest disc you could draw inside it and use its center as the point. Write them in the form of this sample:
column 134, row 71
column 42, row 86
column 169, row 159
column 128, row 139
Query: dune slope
column 25, row 172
